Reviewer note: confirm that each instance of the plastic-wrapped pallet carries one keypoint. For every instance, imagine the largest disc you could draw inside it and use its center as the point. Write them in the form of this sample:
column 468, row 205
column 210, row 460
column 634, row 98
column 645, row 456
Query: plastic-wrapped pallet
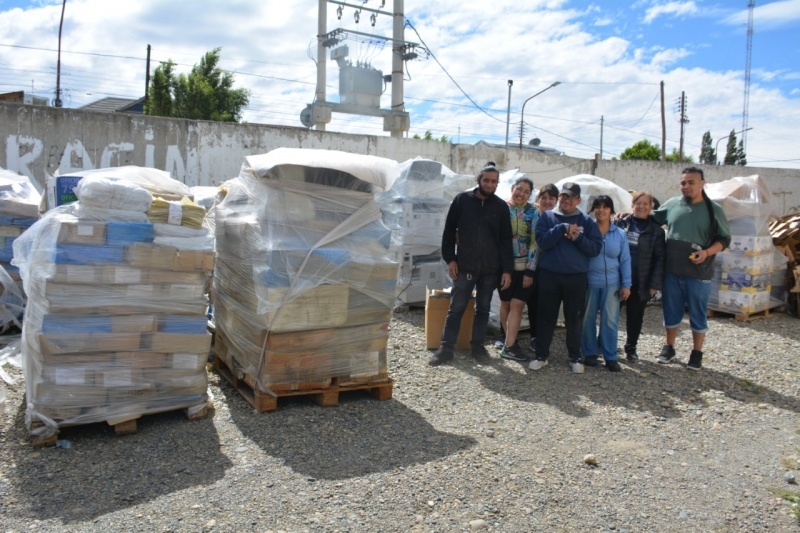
column 303, row 285
column 415, row 208
column 115, row 325
column 19, row 210
column 749, row 277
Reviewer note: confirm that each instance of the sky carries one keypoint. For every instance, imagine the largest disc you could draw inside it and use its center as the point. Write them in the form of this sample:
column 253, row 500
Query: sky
column 609, row 56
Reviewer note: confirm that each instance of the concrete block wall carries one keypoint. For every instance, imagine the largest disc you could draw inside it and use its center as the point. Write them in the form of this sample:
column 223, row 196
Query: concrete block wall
column 37, row 141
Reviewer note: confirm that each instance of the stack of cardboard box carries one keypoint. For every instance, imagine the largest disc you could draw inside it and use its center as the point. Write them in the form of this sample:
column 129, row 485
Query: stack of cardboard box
column 748, row 276
column 19, row 209
column 304, row 285
column 116, row 321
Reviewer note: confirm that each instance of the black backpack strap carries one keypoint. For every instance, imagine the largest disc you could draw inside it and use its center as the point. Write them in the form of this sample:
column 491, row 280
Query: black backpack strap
column 713, row 216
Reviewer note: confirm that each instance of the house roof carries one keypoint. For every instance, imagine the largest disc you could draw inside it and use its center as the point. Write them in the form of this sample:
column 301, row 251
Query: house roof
column 115, row 105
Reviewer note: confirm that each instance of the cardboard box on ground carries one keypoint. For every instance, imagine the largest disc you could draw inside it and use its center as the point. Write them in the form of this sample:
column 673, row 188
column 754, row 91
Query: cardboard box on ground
column 437, row 302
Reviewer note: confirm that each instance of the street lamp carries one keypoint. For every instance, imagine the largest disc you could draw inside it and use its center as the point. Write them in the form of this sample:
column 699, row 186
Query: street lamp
column 508, row 109
column 522, row 118
column 716, row 150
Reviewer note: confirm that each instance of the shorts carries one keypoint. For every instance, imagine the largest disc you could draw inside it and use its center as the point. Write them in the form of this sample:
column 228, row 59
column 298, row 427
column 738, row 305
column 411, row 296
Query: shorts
column 516, row 291
column 678, row 293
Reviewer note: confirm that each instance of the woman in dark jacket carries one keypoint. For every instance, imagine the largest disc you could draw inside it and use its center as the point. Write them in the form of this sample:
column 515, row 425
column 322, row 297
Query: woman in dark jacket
column 647, row 243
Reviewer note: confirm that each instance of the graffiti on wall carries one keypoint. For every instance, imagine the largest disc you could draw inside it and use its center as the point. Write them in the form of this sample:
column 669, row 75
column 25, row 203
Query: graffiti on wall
column 25, row 153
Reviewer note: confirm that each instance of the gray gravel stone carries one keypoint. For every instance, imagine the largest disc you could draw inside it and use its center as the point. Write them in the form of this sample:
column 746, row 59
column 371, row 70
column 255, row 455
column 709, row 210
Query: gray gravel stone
column 680, row 451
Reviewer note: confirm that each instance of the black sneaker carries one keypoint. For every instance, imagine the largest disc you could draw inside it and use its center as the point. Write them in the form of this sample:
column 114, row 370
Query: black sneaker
column 630, row 353
column 591, row 360
column 533, row 344
column 695, row 360
column 441, row 356
column 514, row 353
column 613, row 366
column 480, row 354
column 667, row 354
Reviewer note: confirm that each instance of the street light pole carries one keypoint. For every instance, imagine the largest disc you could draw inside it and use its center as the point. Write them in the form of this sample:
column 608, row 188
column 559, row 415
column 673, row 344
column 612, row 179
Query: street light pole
column 716, row 150
column 522, row 118
column 508, row 109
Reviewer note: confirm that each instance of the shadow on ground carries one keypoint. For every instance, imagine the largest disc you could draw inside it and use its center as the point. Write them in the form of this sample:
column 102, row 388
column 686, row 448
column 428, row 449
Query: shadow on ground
column 361, row 435
column 101, row 473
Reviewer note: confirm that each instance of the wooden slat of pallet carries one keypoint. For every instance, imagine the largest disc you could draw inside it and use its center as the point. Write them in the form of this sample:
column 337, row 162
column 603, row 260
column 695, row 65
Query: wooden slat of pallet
column 740, row 317
column 121, row 427
column 267, row 401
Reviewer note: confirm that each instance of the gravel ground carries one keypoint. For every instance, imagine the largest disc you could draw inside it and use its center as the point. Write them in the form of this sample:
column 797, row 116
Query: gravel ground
column 458, row 448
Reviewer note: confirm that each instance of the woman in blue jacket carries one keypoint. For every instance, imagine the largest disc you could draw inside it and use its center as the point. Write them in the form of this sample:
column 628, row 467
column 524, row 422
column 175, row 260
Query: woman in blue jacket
column 609, row 283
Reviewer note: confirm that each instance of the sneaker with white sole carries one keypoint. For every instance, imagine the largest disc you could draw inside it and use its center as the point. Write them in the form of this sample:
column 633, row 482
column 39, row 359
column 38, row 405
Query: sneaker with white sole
column 514, row 353
column 538, row 364
column 667, row 354
column 576, row 366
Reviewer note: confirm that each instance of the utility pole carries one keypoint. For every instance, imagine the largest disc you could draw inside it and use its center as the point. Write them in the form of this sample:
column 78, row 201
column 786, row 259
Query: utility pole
column 601, row 136
column 58, row 102
column 147, row 75
column 684, row 121
column 508, row 110
column 663, row 126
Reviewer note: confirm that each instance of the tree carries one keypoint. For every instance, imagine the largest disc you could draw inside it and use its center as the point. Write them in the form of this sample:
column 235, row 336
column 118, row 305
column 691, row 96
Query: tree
column 707, row 153
column 734, row 155
column 429, row 137
column 674, row 157
column 741, row 157
column 207, row 93
column 643, row 149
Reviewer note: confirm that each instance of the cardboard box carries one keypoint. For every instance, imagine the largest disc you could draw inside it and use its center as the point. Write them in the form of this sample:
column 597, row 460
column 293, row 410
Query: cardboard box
column 142, row 255
column 319, row 307
column 82, row 232
column 178, row 343
column 88, row 343
column 437, row 302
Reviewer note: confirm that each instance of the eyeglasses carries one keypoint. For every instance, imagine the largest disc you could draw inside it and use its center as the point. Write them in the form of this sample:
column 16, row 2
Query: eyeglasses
column 523, row 191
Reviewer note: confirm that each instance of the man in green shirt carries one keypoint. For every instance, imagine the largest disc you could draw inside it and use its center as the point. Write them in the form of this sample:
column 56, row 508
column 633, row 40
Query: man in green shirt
column 697, row 229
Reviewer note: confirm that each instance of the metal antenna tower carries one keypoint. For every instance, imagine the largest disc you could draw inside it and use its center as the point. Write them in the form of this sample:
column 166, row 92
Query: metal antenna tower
column 748, row 54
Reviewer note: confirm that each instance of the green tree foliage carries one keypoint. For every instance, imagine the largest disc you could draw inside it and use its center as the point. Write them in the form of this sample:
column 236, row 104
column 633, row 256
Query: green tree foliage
column 429, row 137
column 207, row 93
column 708, row 155
column 643, row 149
column 741, row 157
column 731, row 155
column 674, row 157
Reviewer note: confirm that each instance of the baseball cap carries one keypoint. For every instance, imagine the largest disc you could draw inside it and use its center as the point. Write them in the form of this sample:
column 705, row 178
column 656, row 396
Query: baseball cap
column 570, row 188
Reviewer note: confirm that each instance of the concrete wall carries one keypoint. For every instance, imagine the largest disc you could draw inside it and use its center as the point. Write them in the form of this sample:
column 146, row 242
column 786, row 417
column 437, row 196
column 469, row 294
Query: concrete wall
column 40, row 140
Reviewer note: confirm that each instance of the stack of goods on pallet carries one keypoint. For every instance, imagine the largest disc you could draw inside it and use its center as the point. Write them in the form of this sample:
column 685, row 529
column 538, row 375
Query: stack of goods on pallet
column 749, row 277
column 115, row 326
column 415, row 208
column 19, row 210
column 304, row 285
column 785, row 233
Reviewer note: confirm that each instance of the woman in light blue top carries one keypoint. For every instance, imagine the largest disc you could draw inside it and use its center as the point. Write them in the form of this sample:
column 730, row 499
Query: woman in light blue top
column 609, row 283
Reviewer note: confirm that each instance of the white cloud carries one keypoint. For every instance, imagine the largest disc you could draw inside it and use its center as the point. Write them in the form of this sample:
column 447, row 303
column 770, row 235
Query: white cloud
column 773, row 15
column 669, row 8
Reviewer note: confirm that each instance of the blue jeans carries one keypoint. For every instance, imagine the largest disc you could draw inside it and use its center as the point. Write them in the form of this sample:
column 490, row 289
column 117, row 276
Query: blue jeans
column 604, row 300
column 679, row 292
column 484, row 285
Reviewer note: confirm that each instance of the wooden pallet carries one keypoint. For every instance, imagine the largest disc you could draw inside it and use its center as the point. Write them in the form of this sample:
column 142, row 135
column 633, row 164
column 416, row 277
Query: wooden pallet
column 121, row 427
column 740, row 317
column 267, row 401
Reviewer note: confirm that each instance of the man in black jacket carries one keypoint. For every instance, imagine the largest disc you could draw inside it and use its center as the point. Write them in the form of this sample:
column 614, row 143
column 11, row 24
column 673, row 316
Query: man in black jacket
column 476, row 245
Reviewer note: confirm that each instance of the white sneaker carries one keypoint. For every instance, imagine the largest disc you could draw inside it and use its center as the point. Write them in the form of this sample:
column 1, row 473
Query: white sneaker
column 577, row 367
column 537, row 364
